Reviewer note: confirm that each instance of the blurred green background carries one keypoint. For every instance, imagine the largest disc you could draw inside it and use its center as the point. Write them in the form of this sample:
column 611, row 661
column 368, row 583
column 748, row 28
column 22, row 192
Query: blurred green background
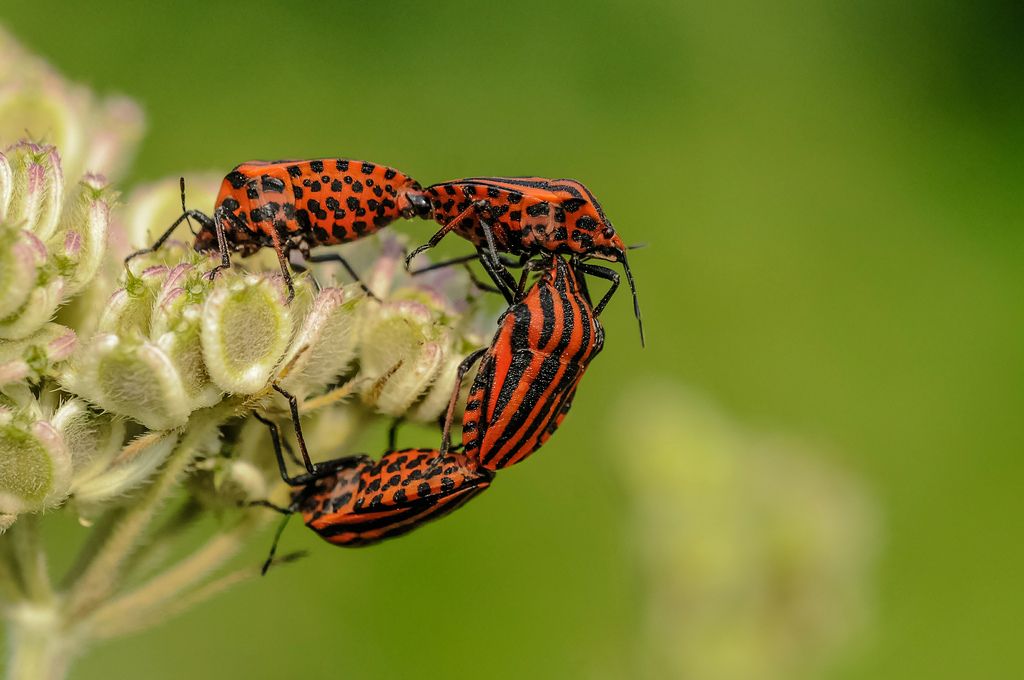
column 832, row 196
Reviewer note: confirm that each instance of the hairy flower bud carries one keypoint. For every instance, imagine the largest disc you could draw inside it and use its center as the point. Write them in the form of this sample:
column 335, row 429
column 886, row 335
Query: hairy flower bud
column 131, row 378
column 246, row 326
column 32, row 357
column 401, row 351
column 35, row 467
column 38, row 188
column 326, row 344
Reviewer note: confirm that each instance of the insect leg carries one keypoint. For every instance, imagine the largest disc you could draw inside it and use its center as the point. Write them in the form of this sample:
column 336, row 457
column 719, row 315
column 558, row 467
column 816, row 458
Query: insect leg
column 293, row 405
column 202, row 218
column 460, row 373
column 275, row 437
column 441, row 233
column 602, row 273
column 222, row 242
column 335, row 257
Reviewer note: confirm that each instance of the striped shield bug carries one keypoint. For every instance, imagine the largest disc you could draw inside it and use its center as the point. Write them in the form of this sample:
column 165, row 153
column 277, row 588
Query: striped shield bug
column 355, row 501
column 296, row 205
column 525, row 216
column 528, row 376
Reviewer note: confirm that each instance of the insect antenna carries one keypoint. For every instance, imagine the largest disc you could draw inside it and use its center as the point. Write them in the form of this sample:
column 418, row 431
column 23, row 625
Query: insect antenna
column 636, row 302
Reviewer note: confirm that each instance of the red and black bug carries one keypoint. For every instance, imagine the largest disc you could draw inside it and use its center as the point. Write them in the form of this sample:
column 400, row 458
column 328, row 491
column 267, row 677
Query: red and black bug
column 296, row 205
column 355, row 501
column 525, row 216
column 528, row 376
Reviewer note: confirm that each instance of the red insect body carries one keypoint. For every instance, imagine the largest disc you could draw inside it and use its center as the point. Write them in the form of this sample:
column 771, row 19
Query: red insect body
column 525, row 216
column 528, row 376
column 301, row 204
column 373, row 500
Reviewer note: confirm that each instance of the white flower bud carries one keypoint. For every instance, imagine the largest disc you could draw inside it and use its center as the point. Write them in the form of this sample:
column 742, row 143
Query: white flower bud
column 35, row 467
column 33, row 356
column 81, row 238
column 325, row 345
column 130, row 309
column 92, row 439
column 246, row 326
column 131, row 378
column 402, row 349
column 38, row 194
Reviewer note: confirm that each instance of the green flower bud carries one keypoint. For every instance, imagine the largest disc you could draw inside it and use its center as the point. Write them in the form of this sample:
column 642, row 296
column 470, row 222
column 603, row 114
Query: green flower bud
column 21, row 257
column 35, row 467
column 42, row 304
column 131, row 378
column 32, row 357
column 326, row 344
column 93, row 439
column 245, row 329
column 82, row 235
column 401, row 351
column 129, row 311
column 38, row 188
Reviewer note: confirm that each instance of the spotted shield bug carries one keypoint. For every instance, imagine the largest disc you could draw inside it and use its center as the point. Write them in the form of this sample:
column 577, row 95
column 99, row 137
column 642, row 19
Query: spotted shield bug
column 355, row 501
column 296, row 205
column 528, row 376
column 525, row 216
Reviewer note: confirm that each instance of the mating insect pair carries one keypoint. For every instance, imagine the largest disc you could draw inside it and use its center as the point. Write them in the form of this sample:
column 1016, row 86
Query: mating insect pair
column 297, row 205
column 522, row 392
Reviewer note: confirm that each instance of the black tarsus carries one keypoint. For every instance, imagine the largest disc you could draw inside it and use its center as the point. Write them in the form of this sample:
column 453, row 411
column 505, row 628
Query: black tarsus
column 200, row 217
column 636, row 302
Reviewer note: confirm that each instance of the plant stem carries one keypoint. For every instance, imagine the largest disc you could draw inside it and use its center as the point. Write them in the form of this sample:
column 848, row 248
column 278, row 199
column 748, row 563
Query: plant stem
column 38, row 648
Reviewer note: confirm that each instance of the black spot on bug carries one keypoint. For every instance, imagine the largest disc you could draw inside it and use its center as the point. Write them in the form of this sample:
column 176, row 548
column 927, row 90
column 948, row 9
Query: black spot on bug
column 342, row 165
column 352, row 202
column 341, row 500
column 608, row 232
column 316, row 166
column 359, row 226
column 336, row 186
column 381, row 221
column 236, row 179
column 288, row 209
column 313, row 205
column 493, row 192
column 339, row 231
column 393, row 480
column 560, row 234
column 423, row 490
column 537, row 209
column 468, row 190
column 272, row 184
column 332, row 203
column 376, row 501
column 515, row 216
column 514, row 197
column 360, row 212
column 368, row 168
column 587, row 223
column 571, row 205
column 302, row 217
column 325, row 179
column 294, row 171
column 347, row 179
column 449, row 189
column 314, row 186
column 251, row 193
column 390, row 173
column 447, row 484
column 373, row 486
column 585, row 240
column 297, row 191
column 399, row 497
column 320, row 234
column 369, row 181
column 559, row 215
column 377, row 191
column 339, row 214
column 389, row 204
column 230, row 204
column 357, row 187
column 372, row 204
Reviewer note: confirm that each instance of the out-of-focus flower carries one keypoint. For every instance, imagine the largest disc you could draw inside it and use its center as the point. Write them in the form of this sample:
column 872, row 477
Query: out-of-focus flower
column 756, row 553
